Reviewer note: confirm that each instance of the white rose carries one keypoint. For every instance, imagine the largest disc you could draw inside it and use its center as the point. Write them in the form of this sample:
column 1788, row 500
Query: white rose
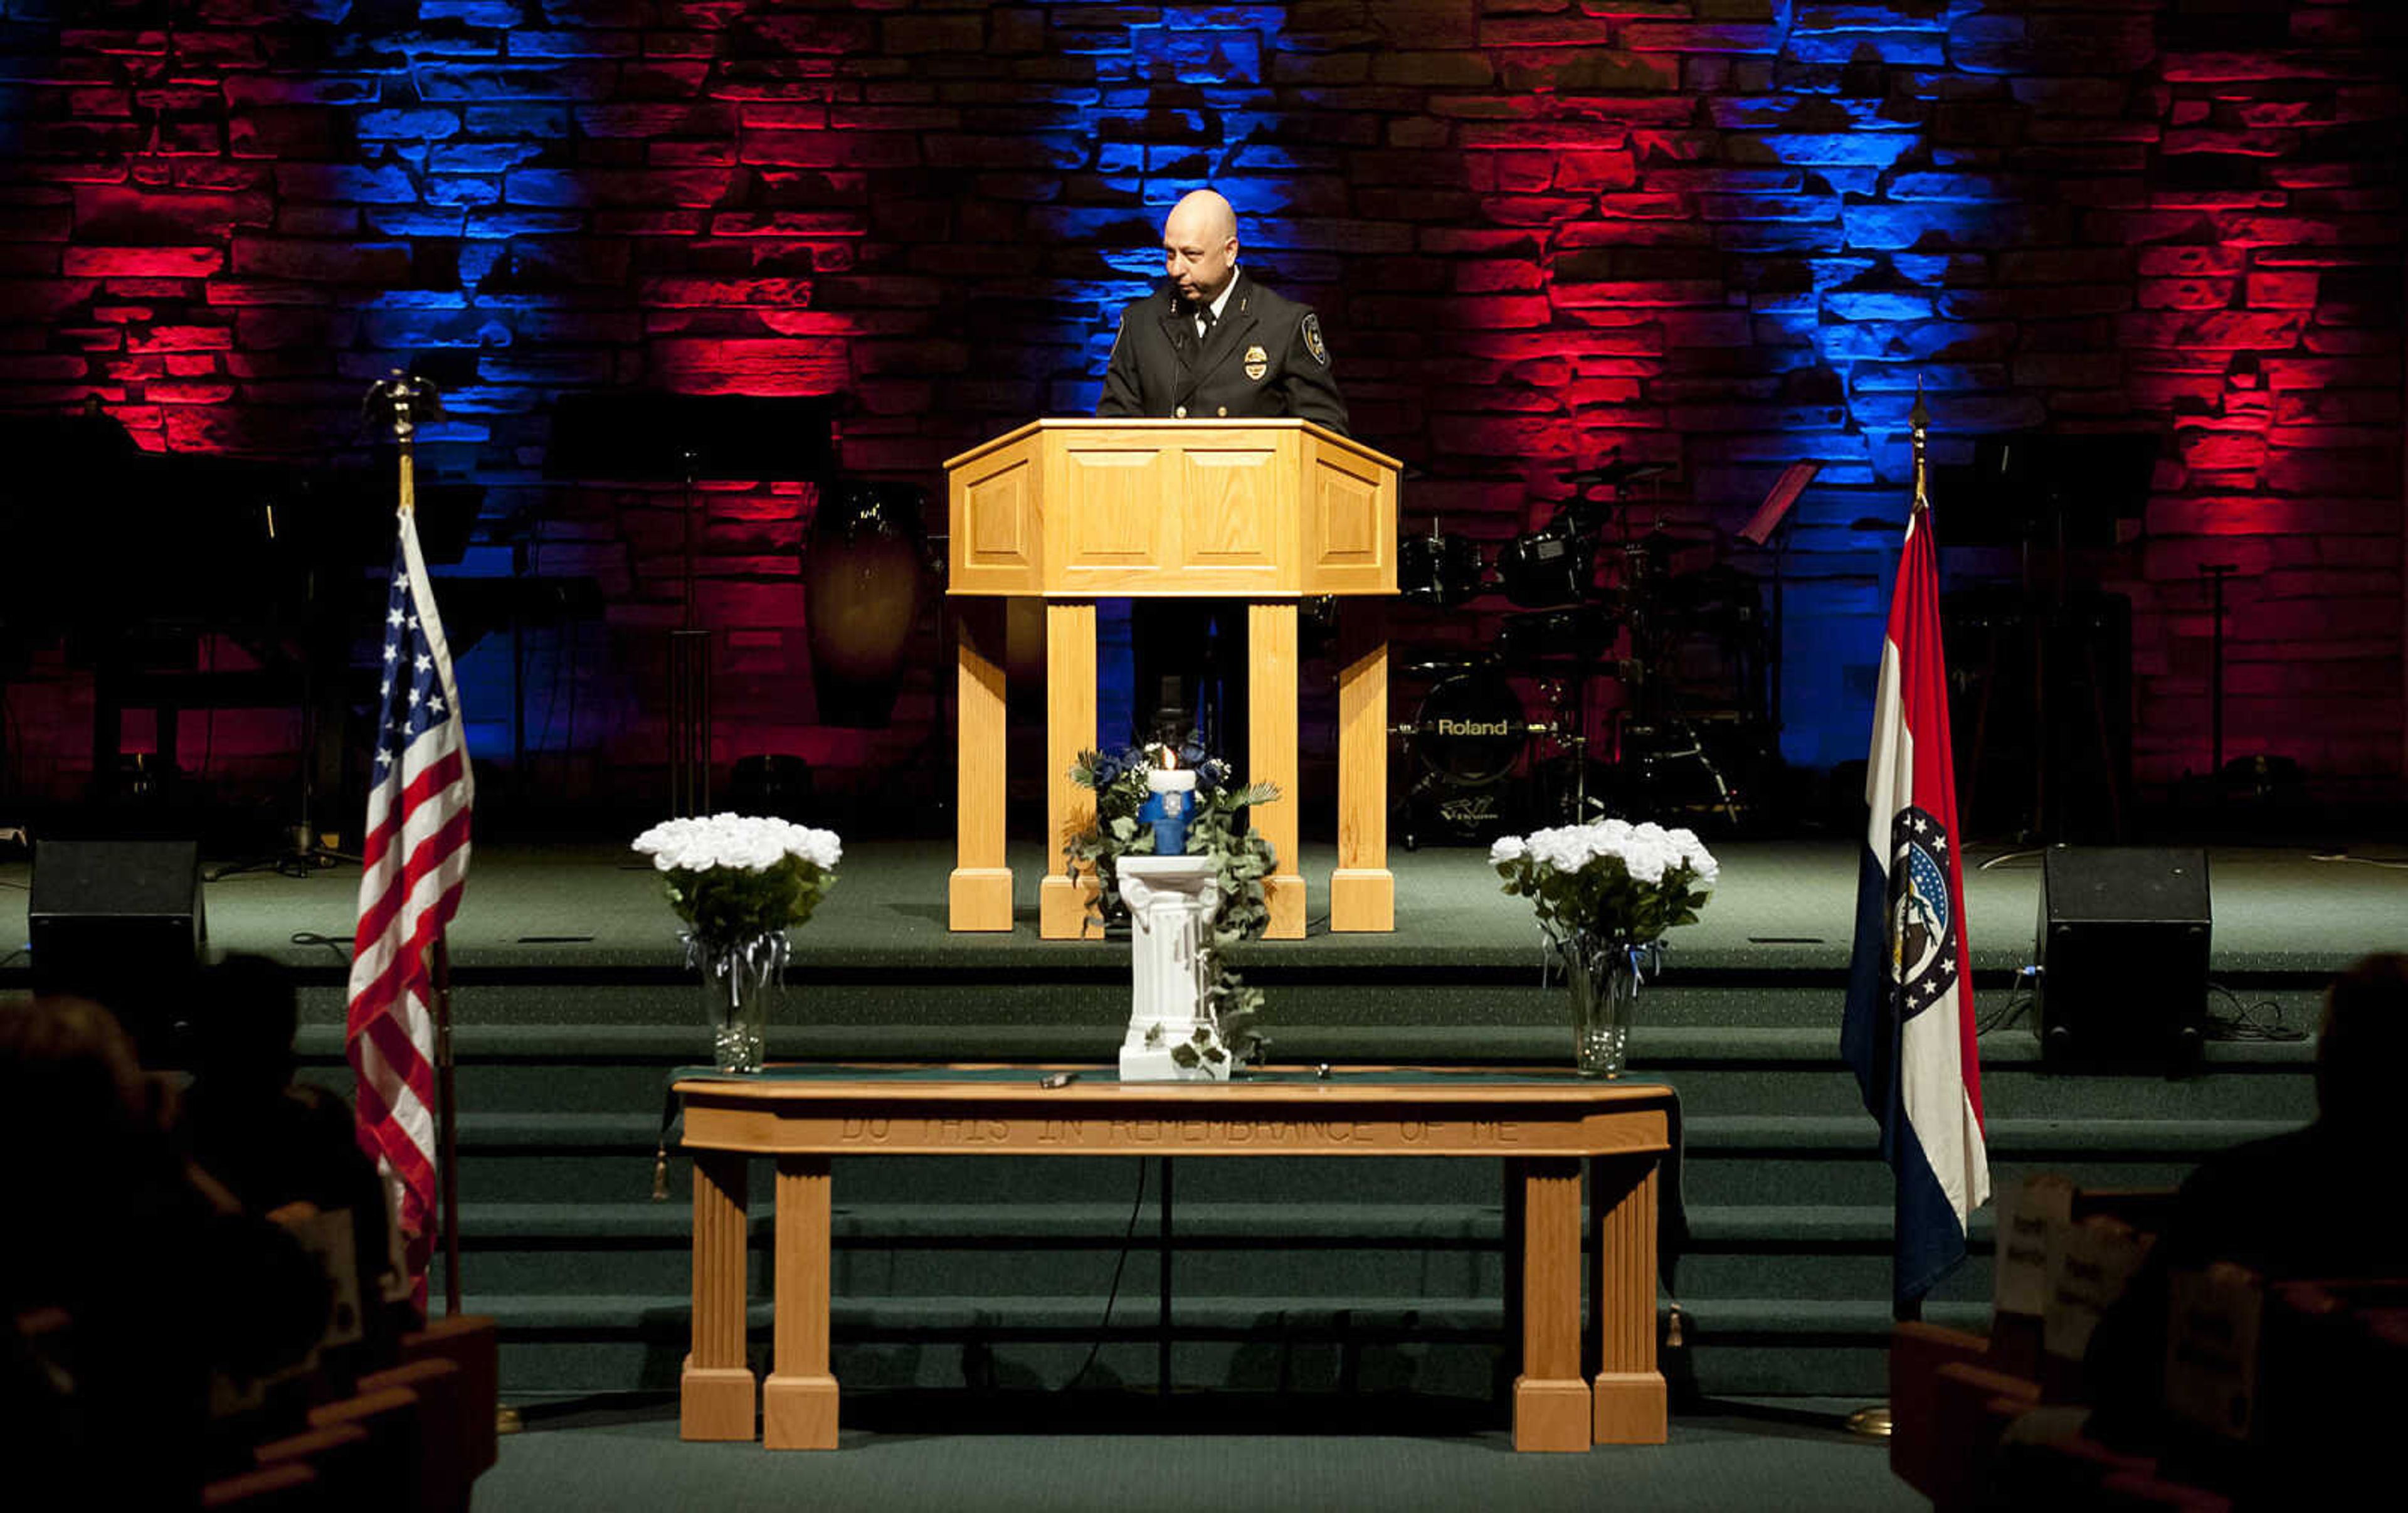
column 1556, row 849
column 1508, row 849
column 1695, row 856
column 821, row 848
column 1647, row 858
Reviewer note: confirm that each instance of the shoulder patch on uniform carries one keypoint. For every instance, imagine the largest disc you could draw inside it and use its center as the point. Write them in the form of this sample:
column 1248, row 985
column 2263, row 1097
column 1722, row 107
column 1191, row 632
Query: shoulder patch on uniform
column 1313, row 342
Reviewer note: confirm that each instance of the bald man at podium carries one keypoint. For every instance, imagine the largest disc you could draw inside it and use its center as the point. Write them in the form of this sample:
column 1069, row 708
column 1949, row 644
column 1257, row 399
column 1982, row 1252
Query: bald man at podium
column 1211, row 345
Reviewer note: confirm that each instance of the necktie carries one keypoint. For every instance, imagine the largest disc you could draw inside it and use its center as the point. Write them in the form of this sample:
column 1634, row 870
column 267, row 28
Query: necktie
column 1204, row 319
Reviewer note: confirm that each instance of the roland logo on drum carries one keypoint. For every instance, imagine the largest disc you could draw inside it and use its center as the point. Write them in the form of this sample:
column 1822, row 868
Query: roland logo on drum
column 1475, row 728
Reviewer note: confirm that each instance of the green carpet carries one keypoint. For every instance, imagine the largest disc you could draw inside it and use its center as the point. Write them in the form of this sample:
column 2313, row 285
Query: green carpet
column 1715, row 1461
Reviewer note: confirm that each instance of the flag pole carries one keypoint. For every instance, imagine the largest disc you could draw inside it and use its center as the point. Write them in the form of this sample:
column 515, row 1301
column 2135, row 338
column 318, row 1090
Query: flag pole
column 1910, row 1310
column 1873, row 1421
column 1919, row 420
column 447, row 1125
column 406, row 392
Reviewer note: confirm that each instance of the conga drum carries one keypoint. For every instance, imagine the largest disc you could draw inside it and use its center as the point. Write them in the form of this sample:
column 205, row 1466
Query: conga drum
column 863, row 563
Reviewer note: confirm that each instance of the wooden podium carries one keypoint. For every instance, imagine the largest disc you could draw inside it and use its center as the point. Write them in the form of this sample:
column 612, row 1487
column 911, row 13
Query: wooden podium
column 1269, row 512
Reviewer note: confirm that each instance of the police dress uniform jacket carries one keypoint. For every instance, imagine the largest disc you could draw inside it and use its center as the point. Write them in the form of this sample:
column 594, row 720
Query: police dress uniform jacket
column 1263, row 359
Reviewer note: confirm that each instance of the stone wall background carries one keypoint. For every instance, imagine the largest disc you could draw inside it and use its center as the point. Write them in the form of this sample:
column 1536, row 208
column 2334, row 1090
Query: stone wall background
column 1720, row 234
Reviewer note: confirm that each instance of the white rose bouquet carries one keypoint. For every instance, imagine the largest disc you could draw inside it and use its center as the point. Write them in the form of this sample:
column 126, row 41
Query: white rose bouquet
column 731, row 877
column 1622, row 881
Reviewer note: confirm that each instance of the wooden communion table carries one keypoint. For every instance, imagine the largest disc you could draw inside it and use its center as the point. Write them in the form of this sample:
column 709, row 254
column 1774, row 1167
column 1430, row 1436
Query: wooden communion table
column 1545, row 1129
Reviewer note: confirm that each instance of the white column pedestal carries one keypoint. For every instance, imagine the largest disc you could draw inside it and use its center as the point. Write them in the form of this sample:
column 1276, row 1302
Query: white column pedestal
column 1171, row 901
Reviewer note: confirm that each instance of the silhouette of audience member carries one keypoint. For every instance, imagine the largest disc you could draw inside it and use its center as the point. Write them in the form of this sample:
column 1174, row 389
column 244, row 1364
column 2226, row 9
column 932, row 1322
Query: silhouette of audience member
column 284, row 1149
column 2309, row 1205
column 131, row 1280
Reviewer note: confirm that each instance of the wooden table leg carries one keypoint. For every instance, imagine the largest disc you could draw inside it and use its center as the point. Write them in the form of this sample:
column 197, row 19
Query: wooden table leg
column 798, row 1401
column 1514, row 1228
column 1551, row 1401
column 716, row 1390
column 1629, row 1389
column 1062, row 913
column 980, row 889
column 1270, row 757
column 1362, row 891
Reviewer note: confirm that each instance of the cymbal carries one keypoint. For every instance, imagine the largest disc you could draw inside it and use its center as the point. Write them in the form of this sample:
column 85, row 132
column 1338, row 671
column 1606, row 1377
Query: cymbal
column 1616, row 473
column 1438, row 662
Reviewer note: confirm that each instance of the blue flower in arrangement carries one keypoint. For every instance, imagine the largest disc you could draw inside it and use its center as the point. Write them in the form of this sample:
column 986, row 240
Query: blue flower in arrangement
column 1106, row 771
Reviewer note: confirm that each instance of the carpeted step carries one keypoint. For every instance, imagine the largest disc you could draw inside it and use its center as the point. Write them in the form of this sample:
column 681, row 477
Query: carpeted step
column 1431, row 1254
column 1791, row 1346
column 1776, row 1159
column 600, row 1069
column 1068, row 990
column 621, row 1342
column 1731, row 1347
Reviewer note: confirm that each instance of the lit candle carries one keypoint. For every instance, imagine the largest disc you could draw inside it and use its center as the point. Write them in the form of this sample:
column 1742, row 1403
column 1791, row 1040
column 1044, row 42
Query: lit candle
column 1171, row 798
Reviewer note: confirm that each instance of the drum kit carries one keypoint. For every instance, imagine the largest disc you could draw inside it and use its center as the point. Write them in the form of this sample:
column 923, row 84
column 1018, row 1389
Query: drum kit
column 1599, row 601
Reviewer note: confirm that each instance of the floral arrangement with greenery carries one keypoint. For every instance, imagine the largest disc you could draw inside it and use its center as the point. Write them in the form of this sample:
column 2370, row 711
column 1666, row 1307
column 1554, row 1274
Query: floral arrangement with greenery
column 1242, row 858
column 735, row 877
column 1625, row 883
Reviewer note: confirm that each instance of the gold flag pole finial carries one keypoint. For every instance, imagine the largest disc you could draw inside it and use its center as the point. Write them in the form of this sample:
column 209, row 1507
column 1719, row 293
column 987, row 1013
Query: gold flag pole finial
column 1920, row 418
column 403, row 400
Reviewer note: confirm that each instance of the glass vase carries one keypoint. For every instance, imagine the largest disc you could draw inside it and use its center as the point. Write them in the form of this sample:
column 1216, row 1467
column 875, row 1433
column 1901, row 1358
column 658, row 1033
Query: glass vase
column 741, row 981
column 1603, row 973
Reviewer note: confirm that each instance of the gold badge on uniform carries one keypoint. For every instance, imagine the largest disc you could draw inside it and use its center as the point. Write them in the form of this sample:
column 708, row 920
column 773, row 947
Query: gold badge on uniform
column 1259, row 362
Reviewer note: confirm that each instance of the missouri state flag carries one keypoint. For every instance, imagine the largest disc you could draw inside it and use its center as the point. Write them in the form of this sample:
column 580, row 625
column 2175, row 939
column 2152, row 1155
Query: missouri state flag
column 1909, row 1028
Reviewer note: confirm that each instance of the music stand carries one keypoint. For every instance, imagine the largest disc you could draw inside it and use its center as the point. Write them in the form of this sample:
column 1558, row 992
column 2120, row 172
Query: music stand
column 630, row 436
column 1768, row 528
column 1777, row 500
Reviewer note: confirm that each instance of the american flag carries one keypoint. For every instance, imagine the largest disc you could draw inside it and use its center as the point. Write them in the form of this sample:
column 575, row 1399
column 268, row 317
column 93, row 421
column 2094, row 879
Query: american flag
column 415, row 853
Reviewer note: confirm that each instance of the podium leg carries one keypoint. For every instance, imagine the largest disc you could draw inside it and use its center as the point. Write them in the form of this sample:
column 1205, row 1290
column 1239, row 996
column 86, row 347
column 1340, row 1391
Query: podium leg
column 1552, row 1406
column 1270, row 757
column 1362, row 891
column 1628, row 1390
column 980, row 887
column 1069, row 729
column 715, row 1388
column 798, row 1401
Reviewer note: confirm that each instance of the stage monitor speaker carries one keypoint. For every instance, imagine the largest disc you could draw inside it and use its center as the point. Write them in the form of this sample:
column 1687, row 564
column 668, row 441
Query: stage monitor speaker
column 120, row 922
column 2124, row 937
